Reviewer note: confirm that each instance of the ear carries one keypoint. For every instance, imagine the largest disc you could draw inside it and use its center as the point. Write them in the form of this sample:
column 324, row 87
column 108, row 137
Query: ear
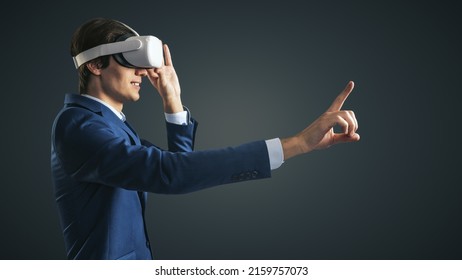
column 94, row 67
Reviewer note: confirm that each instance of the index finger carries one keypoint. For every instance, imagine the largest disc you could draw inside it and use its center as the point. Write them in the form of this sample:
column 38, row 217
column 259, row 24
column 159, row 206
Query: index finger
column 168, row 57
column 338, row 102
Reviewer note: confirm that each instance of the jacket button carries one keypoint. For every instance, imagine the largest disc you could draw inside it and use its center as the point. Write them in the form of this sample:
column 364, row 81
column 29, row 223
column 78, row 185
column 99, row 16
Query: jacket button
column 148, row 244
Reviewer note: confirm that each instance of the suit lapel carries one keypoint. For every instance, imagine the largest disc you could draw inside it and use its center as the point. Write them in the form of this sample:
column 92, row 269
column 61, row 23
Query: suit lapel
column 133, row 132
column 110, row 116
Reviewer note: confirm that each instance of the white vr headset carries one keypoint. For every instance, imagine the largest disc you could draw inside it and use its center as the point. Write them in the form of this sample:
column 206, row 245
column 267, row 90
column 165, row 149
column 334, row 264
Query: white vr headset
column 130, row 50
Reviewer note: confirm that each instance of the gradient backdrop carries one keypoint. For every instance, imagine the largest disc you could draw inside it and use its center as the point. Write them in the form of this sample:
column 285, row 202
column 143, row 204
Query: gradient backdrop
column 258, row 70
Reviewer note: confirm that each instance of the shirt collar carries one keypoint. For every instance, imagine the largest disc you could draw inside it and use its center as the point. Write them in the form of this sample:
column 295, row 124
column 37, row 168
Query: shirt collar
column 120, row 115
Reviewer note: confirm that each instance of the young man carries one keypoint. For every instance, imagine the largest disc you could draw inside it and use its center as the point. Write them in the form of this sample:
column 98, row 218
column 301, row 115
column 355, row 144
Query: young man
column 102, row 170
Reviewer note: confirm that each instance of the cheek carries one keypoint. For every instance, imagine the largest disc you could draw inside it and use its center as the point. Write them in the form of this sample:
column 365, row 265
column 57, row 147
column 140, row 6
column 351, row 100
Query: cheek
column 117, row 80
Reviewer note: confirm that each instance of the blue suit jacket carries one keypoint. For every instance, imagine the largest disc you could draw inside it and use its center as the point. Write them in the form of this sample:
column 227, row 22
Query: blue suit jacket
column 101, row 172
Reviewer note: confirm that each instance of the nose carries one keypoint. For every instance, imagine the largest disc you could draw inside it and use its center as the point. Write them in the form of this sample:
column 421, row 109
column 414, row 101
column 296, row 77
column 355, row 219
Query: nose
column 141, row 72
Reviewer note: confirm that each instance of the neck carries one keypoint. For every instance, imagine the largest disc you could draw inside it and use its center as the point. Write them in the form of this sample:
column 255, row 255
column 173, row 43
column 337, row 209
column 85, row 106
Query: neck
column 114, row 103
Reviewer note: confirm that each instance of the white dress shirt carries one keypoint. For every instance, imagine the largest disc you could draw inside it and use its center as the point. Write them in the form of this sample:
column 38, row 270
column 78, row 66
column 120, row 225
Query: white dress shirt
column 274, row 146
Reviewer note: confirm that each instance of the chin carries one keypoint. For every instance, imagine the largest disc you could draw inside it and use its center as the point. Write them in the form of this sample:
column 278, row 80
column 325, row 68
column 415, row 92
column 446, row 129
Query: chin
column 135, row 97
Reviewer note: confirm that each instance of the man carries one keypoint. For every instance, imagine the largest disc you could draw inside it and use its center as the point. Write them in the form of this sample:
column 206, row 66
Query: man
column 102, row 170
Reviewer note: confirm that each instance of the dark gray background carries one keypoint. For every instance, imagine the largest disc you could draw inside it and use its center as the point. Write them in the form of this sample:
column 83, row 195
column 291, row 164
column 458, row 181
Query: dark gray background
column 258, row 70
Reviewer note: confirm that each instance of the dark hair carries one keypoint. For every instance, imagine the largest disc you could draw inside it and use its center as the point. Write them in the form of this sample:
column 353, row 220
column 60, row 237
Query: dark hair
column 92, row 33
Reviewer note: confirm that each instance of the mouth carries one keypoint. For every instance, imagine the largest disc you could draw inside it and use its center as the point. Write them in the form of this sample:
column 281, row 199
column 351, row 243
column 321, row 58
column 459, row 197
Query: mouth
column 137, row 84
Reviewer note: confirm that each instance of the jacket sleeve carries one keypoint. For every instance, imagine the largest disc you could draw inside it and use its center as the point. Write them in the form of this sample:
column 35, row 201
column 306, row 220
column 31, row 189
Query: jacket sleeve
column 181, row 137
column 91, row 151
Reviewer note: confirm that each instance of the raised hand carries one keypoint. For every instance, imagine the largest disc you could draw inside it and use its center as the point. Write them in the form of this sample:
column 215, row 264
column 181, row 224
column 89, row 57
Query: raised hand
column 165, row 80
column 320, row 134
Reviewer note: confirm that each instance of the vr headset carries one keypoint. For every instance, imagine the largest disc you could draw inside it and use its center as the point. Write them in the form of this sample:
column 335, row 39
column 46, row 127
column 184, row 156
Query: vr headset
column 129, row 50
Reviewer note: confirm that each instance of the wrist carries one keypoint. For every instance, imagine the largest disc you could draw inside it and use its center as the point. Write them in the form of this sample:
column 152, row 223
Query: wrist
column 291, row 147
column 173, row 105
column 294, row 146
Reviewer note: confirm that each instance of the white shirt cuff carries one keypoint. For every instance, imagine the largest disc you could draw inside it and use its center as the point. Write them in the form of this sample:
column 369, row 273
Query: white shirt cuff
column 275, row 152
column 180, row 118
